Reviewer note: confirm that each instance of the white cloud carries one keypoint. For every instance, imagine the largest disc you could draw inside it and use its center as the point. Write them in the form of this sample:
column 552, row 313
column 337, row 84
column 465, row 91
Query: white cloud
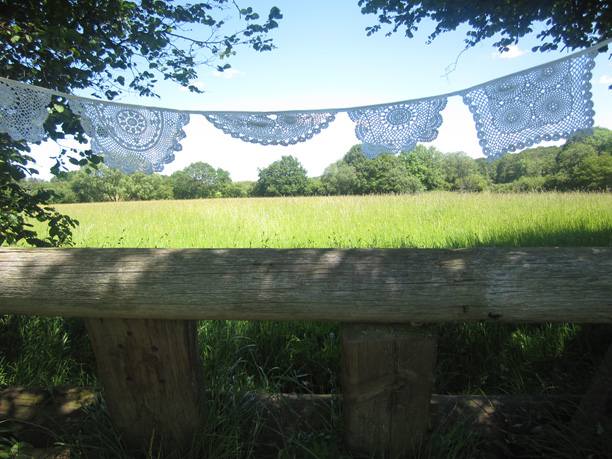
column 513, row 52
column 229, row 73
column 605, row 79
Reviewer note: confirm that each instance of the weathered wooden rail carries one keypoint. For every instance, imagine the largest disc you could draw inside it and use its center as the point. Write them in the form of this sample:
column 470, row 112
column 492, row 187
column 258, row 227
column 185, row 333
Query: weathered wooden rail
column 140, row 304
column 352, row 285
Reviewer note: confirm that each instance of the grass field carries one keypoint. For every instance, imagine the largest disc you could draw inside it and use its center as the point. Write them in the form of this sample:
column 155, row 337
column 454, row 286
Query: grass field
column 429, row 220
column 305, row 357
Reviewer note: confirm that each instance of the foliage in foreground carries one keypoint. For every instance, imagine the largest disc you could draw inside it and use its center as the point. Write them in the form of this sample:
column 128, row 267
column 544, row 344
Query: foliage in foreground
column 584, row 24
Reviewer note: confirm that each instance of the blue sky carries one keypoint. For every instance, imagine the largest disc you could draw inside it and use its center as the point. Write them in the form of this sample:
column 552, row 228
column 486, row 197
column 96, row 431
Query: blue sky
column 324, row 59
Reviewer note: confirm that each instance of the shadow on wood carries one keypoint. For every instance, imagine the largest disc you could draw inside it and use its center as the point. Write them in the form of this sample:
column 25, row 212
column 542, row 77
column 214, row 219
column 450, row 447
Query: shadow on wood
column 31, row 410
column 152, row 377
column 487, row 284
column 387, row 372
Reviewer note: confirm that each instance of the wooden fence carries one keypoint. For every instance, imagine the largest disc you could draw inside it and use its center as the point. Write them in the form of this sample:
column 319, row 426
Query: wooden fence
column 140, row 308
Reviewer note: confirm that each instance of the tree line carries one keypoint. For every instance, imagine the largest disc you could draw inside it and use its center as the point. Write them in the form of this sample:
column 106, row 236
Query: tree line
column 582, row 163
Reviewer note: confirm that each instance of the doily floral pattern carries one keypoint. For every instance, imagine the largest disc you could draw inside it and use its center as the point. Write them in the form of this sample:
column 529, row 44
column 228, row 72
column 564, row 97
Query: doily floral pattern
column 548, row 102
column 397, row 127
column 272, row 129
column 130, row 138
column 23, row 111
column 552, row 102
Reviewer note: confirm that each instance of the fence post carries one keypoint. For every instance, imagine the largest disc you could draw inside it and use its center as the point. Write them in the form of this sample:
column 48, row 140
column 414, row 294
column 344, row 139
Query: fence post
column 151, row 373
column 386, row 385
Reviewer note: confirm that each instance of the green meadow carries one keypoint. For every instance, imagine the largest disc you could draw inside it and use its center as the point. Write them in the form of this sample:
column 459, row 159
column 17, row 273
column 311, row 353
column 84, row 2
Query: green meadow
column 291, row 357
column 428, row 220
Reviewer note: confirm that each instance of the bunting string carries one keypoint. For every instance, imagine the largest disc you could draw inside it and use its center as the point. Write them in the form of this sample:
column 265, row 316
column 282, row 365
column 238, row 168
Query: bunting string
column 552, row 101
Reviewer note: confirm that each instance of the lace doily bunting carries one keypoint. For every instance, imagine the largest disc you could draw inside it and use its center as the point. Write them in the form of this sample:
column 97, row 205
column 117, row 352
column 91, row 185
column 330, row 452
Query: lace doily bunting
column 131, row 138
column 397, row 127
column 23, row 111
column 548, row 102
column 552, row 102
column 272, row 129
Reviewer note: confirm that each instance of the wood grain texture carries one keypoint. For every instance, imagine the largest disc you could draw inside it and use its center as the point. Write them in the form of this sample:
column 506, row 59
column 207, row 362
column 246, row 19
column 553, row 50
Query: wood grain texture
column 344, row 285
column 387, row 374
column 151, row 372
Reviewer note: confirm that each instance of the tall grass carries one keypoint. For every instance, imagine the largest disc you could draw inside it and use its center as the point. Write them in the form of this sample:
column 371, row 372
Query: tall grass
column 240, row 357
column 429, row 220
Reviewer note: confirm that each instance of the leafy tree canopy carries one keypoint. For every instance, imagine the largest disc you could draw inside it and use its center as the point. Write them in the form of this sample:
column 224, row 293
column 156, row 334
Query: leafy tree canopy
column 90, row 44
column 570, row 23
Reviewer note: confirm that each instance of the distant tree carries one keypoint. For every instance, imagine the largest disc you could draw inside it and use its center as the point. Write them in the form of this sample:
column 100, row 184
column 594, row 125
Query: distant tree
column 462, row 173
column 106, row 184
column 426, row 165
column 200, row 180
column 340, row 178
column 487, row 169
column 286, row 177
column 356, row 160
column 401, row 181
column 208, row 181
column 143, row 187
column 524, row 184
column 375, row 173
column 594, row 173
column 101, row 185
column 355, row 174
column 471, row 182
column 315, row 187
column 239, row 189
column 568, row 161
column 568, row 167
column 583, row 162
column 600, row 140
column 533, row 162
column 61, row 191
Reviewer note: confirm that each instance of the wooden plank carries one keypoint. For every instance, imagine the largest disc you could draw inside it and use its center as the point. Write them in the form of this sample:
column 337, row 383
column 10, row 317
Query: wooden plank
column 387, row 372
column 152, row 377
column 344, row 285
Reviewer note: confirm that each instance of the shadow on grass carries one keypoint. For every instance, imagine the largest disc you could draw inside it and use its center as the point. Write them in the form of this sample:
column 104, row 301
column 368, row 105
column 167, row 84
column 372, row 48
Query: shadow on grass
column 534, row 237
